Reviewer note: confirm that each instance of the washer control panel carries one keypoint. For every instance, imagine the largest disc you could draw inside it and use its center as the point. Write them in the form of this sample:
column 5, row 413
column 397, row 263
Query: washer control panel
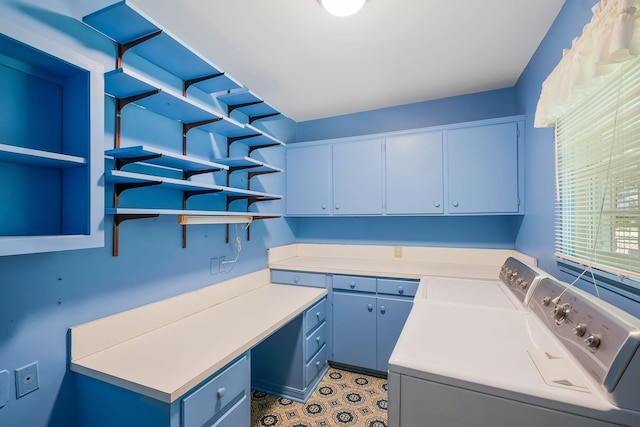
column 520, row 278
column 600, row 336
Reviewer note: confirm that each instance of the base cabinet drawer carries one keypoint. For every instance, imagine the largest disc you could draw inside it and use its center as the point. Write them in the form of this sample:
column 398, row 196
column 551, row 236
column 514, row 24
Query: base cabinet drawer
column 316, row 366
column 238, row 415
column 315, row 315
column 315, row 341
column 211, row 400
column 222, row 400
column 316, row 280
column 355, row 283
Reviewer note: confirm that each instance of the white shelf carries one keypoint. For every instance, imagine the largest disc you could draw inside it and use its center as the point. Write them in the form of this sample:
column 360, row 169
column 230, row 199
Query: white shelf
column 149, row 155
column 125, row 24
column 248, row 164
column 122, row 84
column 29, row 156
column 249, row 104
column 135, row 211
column 125, row 177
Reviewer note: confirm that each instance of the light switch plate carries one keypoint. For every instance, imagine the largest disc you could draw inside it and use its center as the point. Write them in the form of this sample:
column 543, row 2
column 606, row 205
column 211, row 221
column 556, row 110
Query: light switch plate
column 4, row 387
column 26, row 379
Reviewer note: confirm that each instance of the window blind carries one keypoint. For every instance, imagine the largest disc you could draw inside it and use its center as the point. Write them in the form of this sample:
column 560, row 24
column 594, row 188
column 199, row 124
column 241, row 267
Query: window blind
column 598, row 176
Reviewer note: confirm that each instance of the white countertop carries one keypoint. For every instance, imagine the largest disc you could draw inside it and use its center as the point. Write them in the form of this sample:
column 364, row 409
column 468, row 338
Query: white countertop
column 169, row 359
column 381, row 261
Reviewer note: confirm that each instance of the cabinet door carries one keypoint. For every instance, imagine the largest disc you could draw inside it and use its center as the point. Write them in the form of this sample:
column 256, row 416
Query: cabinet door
column 308, row 180
column 483, row 169
column 357, row 178
column 354, row 329
column 392, row 314
column 414, row 174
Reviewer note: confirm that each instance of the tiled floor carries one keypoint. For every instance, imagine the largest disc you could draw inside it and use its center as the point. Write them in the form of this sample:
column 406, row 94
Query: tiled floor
column 342, row 398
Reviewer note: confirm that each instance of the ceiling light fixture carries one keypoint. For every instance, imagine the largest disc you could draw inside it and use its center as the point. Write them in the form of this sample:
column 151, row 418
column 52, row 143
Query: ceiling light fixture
column 342, row 7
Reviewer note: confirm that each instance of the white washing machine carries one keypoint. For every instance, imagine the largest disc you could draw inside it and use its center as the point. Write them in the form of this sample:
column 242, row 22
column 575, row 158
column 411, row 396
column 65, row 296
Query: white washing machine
column 565, row 359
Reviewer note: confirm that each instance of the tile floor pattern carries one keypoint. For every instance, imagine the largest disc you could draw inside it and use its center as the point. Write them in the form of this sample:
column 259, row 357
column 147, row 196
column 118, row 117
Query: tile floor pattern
column 342, row 398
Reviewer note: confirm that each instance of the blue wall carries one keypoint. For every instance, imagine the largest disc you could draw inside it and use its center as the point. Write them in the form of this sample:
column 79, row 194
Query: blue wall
column 472, row 231
column 465, row 108
column 536, row 235
column 42, row 295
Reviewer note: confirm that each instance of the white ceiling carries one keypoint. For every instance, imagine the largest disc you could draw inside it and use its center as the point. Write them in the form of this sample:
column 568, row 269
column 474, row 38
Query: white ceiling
column 311, row 65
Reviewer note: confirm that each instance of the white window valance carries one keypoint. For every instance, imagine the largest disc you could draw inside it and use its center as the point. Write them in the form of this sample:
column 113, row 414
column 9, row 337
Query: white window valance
column 612, row 37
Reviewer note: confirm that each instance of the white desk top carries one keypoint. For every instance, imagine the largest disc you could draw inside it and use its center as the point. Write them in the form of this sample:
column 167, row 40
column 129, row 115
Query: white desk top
column 166, row 362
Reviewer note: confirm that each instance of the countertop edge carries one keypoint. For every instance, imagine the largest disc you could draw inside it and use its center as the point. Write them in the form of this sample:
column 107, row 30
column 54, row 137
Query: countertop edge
column 83, row 365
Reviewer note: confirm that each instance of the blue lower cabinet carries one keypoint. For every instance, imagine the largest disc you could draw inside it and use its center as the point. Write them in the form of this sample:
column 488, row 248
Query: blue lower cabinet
column 354, row 329
column 368, row 322
column 391, row 316
column 290, row 362
column 223, row 400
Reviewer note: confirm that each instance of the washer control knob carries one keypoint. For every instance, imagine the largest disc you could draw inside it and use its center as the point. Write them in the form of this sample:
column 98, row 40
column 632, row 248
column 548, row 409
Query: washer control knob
column 546, row 300
column 522, row 283
column 592, row 341
column 580, row 329
column 560, row 312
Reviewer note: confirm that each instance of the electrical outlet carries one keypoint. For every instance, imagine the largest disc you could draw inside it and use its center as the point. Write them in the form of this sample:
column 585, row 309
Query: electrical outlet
column 397, row 251
column 26, row 379
column 4, row 387
column 213, row 266
column 222, row 264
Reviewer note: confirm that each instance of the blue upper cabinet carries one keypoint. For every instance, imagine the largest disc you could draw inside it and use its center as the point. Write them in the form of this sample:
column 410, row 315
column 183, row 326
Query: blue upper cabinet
column 414, row 178
column 471, row 168
column 334, row 179
column 357, row 178
column 483, row 169
column 308, row 180
column 50, row 146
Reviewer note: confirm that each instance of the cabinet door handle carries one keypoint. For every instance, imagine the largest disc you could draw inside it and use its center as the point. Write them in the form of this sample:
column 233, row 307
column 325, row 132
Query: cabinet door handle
column 221, row 392
column 318, row 364
column 436, row 204
column 337, row 207
column 296, row 279
column 455, row 203
column 318, row 315
column 324, row 206
column 352, row 284
column 318, row 340
column 400, row 290
column 370, row 307
column 382, row 309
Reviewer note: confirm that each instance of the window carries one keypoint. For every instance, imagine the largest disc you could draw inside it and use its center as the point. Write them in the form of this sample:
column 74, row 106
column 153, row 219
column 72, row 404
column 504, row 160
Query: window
column 598, row 176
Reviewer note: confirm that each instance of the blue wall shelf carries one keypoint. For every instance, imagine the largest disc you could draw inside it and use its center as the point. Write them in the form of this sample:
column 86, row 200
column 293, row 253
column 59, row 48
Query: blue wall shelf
column 136, row 35
column 52, row 100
